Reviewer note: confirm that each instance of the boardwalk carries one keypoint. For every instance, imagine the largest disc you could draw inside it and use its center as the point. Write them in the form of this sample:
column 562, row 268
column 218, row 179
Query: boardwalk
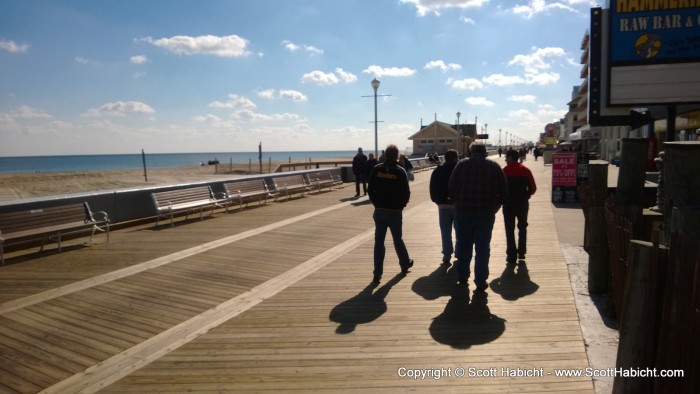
column 279, row 298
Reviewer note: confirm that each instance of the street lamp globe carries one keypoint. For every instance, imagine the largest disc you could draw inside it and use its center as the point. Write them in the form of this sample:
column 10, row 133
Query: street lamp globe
column 375, row 84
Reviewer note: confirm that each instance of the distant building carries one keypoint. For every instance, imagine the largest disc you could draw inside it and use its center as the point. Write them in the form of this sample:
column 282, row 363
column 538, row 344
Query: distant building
column 438, row 137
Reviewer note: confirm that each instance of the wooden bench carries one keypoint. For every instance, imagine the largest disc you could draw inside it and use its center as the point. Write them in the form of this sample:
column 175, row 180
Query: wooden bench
column 244, row 192
column 290, row 184
column 168, row 203
column 49, row 223
column 322, row 179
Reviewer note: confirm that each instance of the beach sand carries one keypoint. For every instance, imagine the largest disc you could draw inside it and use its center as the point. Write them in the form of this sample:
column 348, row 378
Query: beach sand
column 16, row 186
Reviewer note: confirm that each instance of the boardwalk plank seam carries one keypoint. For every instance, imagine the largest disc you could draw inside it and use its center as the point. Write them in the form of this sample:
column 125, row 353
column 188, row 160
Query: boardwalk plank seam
column 120, row 365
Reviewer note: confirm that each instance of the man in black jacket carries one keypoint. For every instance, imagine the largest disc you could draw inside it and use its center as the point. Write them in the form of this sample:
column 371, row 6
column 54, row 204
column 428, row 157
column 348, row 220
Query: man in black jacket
column 389, row 193
column 439, row 181
column 358, row 169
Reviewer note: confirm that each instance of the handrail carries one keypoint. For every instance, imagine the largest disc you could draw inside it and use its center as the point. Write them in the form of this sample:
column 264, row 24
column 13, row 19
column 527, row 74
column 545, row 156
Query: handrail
column 310, row 165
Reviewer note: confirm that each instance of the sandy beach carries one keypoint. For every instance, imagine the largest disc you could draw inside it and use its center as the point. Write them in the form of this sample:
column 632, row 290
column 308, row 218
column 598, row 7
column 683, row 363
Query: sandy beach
column 15, row 186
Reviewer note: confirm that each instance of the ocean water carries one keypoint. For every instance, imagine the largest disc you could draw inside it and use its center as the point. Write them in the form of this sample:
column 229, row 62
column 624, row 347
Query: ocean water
column 153, row 160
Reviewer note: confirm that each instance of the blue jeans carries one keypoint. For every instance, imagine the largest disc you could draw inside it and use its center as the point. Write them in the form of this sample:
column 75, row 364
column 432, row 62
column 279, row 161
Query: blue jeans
column 446, row 217
column 473, row 231
column 393, row 220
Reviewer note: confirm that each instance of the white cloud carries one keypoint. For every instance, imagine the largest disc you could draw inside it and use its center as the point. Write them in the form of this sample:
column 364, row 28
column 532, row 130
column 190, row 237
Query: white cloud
column 138, row 59
column 440, row 65
column 234, row 102
column 542, row 78
column 293, row 95
column 379, row 71
column 503, row 80
column 424, row 7
column 479, row 101
column 292, row 47
column 225, row 46
column 26, row 112
column 468, row 21
column 120, row 108
column 538, row 59
column 320, row 78
column 346, row 76
column 537, row 6
column 209, row 118
column 466, row 84
column 252, row 116
column 267, row 94
column 83, row 60
column 12, row 47
column 528, row 98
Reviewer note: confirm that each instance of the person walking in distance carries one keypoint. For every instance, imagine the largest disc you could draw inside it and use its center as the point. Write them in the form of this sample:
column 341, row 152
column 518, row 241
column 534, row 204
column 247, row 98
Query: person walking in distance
column 439, row 181
column 371, row 162
column 358, row 169
column 521, row 185
column 477, row 188
column 389, row 193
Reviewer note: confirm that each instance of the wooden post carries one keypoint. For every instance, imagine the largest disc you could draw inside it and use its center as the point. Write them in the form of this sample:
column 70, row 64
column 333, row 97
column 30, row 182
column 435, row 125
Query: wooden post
column 596, row 229
column 629, row 198
column 681, row 177
column 598, row 254
column 679, row 343
column 641, row 314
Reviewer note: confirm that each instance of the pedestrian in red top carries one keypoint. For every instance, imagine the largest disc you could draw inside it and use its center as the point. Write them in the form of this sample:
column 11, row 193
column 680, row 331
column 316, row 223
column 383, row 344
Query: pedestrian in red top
column 521, row 185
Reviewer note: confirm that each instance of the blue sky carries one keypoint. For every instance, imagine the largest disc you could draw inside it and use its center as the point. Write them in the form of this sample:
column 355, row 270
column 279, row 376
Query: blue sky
column 98, row 77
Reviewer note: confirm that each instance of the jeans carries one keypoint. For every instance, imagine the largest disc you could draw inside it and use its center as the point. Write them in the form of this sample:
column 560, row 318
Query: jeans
column 393, row 220
column 446, row 217
column 510, row 213
column 473, row 231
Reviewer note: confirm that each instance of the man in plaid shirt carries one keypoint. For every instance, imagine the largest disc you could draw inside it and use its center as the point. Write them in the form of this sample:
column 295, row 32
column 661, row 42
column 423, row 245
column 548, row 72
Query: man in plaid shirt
column 477, row 189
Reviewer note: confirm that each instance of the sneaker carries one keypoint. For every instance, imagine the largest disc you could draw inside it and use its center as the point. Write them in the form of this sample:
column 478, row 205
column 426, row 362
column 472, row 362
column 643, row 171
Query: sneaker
column 376, row 279
column 463, row 280
column 482, row 286
column 446, row 260
column 404, row 268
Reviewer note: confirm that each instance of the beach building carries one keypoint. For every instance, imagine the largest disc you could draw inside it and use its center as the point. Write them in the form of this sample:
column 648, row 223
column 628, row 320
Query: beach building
column 438, row 137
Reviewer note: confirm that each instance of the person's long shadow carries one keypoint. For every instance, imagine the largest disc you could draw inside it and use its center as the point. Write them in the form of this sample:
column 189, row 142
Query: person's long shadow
column 514, row 284
column 438, row 284
column 363, row 308
column 465, row 323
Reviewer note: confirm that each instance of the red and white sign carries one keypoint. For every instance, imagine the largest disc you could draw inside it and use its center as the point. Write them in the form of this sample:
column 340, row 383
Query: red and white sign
column 564, row 169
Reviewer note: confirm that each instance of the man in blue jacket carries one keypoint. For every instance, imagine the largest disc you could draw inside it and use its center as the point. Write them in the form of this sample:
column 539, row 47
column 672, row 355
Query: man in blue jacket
column 439, row 181
column 389, row 193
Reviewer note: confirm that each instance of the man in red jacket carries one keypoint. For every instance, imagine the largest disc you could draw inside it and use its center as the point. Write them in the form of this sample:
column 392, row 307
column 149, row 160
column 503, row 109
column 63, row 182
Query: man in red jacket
column 521, row 185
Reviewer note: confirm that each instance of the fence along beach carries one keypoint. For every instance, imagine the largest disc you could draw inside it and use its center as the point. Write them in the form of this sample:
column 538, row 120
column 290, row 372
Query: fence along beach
column 45, row 182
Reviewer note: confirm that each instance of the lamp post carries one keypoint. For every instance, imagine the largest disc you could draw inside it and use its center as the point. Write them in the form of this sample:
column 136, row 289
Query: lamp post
column 375, row 86
column 459, row 130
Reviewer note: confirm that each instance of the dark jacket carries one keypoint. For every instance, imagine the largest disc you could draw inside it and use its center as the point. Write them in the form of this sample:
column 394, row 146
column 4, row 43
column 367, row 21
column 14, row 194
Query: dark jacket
column 358, row 164
column 388, row 186
column 439, row 182
column 478, row 185
column 521, row 184
column 369, row 165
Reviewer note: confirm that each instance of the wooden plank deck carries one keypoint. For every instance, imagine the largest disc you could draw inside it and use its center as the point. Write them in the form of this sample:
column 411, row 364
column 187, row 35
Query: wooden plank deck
column 278, row 297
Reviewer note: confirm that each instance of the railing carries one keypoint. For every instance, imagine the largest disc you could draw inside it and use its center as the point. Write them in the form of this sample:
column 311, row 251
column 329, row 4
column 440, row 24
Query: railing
column 308, row 165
